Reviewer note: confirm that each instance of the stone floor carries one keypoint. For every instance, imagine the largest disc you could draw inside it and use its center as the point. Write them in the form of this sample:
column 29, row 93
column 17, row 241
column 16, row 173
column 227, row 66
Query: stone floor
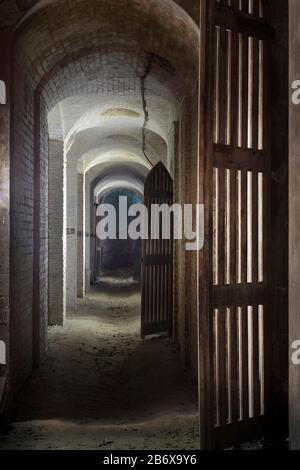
column 102, row 387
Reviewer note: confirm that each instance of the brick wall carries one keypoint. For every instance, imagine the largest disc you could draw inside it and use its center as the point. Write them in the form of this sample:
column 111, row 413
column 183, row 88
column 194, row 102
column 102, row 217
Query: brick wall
column 81, row 235
column 71, row 263
column 21, row 241
column 43, row 229
column 57, row 233
column 88, row 239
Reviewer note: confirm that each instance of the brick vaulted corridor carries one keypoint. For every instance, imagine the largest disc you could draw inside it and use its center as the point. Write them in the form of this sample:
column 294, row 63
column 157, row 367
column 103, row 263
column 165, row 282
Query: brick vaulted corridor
column 95, row 100
column 144, row 170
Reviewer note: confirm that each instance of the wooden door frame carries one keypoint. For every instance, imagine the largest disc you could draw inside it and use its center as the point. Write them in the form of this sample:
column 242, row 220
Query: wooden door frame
column 204, row 262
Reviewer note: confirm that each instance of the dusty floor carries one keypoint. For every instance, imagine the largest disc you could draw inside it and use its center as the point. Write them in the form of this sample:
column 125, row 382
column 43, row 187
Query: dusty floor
column 102, row 387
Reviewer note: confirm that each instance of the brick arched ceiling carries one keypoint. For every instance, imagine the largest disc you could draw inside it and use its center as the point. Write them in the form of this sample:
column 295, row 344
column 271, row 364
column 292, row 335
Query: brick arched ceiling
column 76, row 45
column 104, row 170
column 92, row 125
column 93, row 145
column 118, row 182
column 109, row 175
column 85, row 57
column 126, row 53
column 11, row 11
column 81, row 112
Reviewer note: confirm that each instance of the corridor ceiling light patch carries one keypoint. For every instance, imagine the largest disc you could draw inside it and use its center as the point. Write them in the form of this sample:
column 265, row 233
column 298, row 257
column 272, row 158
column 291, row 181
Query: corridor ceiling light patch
column 120, row 112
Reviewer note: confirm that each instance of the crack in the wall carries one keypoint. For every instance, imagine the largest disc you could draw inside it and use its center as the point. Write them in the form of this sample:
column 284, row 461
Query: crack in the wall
column 145, row 106
column 163, row 63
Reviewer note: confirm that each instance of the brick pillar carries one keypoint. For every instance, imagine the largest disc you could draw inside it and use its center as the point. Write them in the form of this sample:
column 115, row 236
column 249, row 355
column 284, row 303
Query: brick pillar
column 4, row 216
column 81, row 236
column 57, row 233
column 87, row 189
column 71, row 269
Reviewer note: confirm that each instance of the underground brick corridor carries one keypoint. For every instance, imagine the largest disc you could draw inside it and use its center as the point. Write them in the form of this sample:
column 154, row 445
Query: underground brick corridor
column 149, row 221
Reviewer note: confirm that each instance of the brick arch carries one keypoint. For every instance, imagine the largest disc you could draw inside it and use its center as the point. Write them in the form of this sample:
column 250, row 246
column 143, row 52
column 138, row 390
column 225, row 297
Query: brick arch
column 96, row 172
column 96, row 116
column 55, row 36
column 109, row 184
column 119, row 153
column 27, row 5
column 89, row 110
column 109, row 176
column 92, row 143
column 91, row 70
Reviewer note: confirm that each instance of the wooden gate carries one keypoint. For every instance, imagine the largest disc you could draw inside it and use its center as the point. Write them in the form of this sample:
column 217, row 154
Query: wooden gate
column 157, row 259
column 235, row 317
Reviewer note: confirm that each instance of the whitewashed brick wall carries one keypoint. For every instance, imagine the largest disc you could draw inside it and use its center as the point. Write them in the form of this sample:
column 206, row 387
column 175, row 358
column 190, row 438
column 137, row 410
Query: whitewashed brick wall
column 71, row 268
column 81, row 236
column 57, row 234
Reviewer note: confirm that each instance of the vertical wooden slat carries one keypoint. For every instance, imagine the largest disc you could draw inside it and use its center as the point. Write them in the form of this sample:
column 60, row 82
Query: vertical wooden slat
column 256, row 8
column 171, row 270
column 145, row 275
column 154, row 295
column 162, row 244
column 149, row 268
column 244, row 226
column 150, row 287
column 255, row 227
column 159, row 293
column 245, row 6
column 223, row 86
column 234, row 365
column 163, row 297
column 255, row 94
column 234, row 88
column 216, row 49
column 245, row 90
column 245, row 363
column 215, row 209
column 223, row 401
column 235, row 4
column 215, row 362
column 221, row 226
column 170, row 283
column 256, row 381
column 233, row 226
column 161, row 287
column 143, row 293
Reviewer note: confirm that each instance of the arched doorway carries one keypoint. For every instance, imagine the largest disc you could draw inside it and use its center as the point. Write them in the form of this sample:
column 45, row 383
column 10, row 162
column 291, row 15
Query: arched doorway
column 121, row 256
